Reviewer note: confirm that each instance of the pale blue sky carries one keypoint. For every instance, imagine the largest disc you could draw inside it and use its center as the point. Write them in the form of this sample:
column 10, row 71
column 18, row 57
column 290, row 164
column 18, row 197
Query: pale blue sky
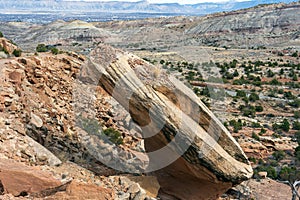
column 172, row 1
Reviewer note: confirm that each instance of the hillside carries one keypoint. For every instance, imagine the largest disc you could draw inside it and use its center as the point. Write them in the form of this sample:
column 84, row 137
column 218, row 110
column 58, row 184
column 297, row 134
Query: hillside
column 269, row 26
column 165, row 108
column 58, row 110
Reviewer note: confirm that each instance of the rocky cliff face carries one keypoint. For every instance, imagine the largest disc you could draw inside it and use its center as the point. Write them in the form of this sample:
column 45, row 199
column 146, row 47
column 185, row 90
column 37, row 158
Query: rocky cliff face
column 261, row 26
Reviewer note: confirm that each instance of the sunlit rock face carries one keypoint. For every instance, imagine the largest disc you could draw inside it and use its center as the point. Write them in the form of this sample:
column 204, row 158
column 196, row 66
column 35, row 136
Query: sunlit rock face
column 192, row 154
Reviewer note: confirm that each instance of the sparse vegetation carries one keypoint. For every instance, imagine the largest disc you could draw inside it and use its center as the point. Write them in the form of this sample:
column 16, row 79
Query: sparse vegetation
column 41, row 48
column 17, row 52
column 114, row 136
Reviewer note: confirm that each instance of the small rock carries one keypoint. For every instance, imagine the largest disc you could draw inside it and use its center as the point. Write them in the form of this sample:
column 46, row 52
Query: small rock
column 141, row 195
column 125, row 196
column 263, row 174
column 36, row 120
column 148, row 183
column 125, row 182
column 134, row 188
column 15, row 77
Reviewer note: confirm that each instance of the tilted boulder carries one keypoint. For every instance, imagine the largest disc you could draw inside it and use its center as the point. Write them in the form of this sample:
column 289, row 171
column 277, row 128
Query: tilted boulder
column 190, row 151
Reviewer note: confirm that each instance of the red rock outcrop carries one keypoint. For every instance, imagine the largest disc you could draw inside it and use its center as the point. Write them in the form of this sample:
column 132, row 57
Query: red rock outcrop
column 21, row 180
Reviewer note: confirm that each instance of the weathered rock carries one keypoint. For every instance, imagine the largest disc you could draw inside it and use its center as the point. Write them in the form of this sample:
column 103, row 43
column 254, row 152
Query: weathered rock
column 43, row 154
column 206, row 160
column 36, row 120
column 263, row 174
column 18, row 179
column 81, row 191
column 148, row 183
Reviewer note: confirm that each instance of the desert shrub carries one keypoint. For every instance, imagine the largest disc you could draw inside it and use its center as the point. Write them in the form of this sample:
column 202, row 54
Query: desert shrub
column 253, row 97
column 289, row 95
column 295, row 77
column 296, row 125
column 278, row 155
column 237, row 125
column 297, row 135
column 289, row 173
column 295, row 103
column 252, row 159
column 297, row 153
column 41, row 48
column 270, row 73
column 255, row 125
column 17, row 52
column 239, row 81
column 4, row 50
column 285, row 125
column 240, row 93
column 114, row 136
column 269, row 169
column 255, row 136
column 54, row 51
column 259, row 108
column 297, row 114
column 262, row 131
column 235, row 73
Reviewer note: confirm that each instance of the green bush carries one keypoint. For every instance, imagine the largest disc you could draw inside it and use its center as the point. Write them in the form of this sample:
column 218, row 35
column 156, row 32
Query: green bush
column 289, row 95
column 1, row 34
column 278, row 155
column 274, row 82
column 236, row 125
column 259, row 108
column 114, row 136
column 270, row 73
column 249, row 111
column 41, row 48
column 255, row 136
column 269, row 169
column 255, row 125
column 290, row 174
column 263, row 131
column 253, row 97
column 297, row 114
column 295, row 54
column 54, row 51
column 296, row 125
column 285, row 125
column 295, row 103
column 295, row 77
column 240, row 93
column 297, row 135
column 17, row 52
column 297, row 153
column 4, row 50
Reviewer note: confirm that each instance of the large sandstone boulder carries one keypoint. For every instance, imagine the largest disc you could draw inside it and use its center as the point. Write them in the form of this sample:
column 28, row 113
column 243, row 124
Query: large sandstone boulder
column 190, row 151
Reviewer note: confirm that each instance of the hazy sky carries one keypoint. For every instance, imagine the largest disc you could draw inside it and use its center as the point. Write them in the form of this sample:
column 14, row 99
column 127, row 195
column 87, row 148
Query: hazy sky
column 173, row 1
